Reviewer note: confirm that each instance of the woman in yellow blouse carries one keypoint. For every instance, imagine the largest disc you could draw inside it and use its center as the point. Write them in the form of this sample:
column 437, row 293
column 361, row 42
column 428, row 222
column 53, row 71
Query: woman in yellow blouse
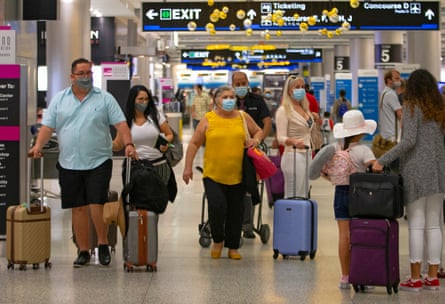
column 222, row 130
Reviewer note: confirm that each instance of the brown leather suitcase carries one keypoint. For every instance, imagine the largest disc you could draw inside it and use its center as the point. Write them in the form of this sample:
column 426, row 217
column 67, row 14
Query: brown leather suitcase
column 112, row 230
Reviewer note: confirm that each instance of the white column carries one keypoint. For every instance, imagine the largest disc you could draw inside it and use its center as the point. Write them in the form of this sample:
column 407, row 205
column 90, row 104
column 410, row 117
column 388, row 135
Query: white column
column 424, row 48
column 67, row 39
column 132, row 33
column 316, row 68
column 362, row 57
column 342, row 51
column 390, row 38
column 328, row 65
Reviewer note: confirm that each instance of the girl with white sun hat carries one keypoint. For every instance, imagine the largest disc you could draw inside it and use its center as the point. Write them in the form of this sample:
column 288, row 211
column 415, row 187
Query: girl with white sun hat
column 349, row 133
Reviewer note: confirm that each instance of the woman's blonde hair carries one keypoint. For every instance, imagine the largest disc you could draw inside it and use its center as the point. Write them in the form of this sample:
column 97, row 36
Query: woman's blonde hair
column 287, row 99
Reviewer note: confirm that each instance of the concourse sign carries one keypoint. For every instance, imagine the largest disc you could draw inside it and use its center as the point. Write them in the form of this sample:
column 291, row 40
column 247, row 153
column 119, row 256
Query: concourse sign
column 372, row 16
column 291, row 55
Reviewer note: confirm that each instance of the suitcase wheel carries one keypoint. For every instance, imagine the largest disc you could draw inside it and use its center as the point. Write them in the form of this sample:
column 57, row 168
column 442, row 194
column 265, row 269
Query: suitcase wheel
column 48, row 265
column 35, row 266
column 128, row 268
column 276, row 253
column 152, row 268
column 395, row 287
column 356, row 288
column 312, row 254
column 204, row 241
column 10, row 265
column 22, row 267
column 265, row 233
column 302, row 257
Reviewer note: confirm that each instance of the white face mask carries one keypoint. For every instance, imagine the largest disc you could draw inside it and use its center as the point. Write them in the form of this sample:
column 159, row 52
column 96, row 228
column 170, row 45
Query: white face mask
column 396, row 84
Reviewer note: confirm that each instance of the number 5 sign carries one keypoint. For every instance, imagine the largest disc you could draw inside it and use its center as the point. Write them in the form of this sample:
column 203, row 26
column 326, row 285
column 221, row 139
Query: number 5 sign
column 388, row 53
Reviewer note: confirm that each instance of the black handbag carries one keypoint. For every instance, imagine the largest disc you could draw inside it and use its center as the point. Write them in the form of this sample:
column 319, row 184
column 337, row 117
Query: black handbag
column 376, row 195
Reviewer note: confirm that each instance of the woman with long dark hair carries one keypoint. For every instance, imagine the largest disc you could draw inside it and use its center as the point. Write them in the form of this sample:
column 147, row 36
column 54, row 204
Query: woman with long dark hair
column 147, row 124
column 422, row 165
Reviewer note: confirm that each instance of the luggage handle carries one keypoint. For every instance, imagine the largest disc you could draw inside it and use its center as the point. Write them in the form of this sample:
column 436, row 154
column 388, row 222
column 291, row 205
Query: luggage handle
column 30, row 165
column 126, row 199
column 128, row 171
column 307, row 148
column 306, row 175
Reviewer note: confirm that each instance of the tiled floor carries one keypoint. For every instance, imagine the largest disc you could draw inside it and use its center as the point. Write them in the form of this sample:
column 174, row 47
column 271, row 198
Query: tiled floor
column 187, row 274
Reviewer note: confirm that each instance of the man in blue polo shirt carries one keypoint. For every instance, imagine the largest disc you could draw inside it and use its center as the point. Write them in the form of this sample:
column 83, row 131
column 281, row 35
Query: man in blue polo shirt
column 81, row 116
column 255, row 106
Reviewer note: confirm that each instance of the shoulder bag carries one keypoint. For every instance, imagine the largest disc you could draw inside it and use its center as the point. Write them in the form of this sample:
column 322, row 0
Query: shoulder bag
column 264, row 167
column 175, row 150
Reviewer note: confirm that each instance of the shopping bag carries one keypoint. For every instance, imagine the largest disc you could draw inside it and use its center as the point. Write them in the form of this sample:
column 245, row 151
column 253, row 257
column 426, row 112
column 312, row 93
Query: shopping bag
column 264, row 167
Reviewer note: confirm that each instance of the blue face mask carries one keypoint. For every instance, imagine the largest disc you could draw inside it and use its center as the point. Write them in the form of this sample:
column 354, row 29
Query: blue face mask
column 299, row 94
column 228, row 104
column 141, row 106
column 241, row 91
column 268, row 95
column 85, row 83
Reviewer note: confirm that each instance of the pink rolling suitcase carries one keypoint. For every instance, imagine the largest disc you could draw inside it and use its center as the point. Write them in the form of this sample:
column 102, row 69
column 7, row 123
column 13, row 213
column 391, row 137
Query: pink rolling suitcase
column 374, row 254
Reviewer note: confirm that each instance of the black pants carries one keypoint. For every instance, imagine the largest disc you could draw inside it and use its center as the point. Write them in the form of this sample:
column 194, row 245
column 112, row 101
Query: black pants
column 225, row 211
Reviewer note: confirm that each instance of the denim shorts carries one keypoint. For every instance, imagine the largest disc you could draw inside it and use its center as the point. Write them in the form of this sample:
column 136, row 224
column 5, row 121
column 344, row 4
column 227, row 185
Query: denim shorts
column 341, row 200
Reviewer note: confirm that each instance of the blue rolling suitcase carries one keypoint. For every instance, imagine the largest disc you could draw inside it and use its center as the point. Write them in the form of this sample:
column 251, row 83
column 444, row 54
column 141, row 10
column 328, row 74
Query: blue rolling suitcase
column 295, row 225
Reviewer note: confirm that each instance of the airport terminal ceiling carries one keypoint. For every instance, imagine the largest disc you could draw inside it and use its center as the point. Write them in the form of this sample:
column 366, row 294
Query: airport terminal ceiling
column 125, row 10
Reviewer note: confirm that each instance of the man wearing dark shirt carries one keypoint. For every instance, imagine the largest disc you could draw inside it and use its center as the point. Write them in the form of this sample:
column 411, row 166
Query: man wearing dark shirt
column 255, row 106
column 252, row 104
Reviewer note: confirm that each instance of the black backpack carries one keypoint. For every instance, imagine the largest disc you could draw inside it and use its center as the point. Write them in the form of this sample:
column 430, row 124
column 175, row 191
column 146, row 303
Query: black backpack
column 146, row 190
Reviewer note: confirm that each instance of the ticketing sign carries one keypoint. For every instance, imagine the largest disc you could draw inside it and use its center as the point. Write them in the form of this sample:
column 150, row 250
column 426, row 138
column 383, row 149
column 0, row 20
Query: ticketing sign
column 392, row 15
column 292, row 55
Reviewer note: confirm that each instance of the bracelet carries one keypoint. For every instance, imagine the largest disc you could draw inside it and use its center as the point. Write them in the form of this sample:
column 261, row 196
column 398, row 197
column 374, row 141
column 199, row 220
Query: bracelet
column 129, row 144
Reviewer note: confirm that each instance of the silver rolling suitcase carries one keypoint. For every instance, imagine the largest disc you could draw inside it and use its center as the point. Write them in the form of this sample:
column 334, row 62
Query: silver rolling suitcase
column 140, row 247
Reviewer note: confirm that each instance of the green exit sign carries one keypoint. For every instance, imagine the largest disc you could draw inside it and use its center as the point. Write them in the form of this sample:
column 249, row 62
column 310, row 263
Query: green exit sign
column 166, row 14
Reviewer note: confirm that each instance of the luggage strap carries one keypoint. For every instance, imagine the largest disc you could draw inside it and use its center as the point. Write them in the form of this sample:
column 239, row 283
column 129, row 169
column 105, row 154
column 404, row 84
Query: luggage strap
column 142, row 237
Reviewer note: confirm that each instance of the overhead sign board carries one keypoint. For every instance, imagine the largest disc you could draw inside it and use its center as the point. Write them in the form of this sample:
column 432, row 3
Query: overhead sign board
column 392, row 15
column 252, row 56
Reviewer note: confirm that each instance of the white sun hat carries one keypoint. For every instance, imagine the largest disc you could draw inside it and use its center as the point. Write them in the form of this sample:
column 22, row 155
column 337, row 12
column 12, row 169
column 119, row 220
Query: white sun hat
column 353, row 124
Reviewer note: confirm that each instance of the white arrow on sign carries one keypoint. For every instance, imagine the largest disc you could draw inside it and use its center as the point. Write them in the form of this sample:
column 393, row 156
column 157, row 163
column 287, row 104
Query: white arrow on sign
column 251, row 14
column 185, row 55
column 429, row 14
column 151, row 14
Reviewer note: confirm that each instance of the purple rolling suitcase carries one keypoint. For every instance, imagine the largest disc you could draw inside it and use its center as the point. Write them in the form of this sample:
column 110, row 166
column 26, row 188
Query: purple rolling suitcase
column 295, row 225
column 275, row 183
column 374, row 254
